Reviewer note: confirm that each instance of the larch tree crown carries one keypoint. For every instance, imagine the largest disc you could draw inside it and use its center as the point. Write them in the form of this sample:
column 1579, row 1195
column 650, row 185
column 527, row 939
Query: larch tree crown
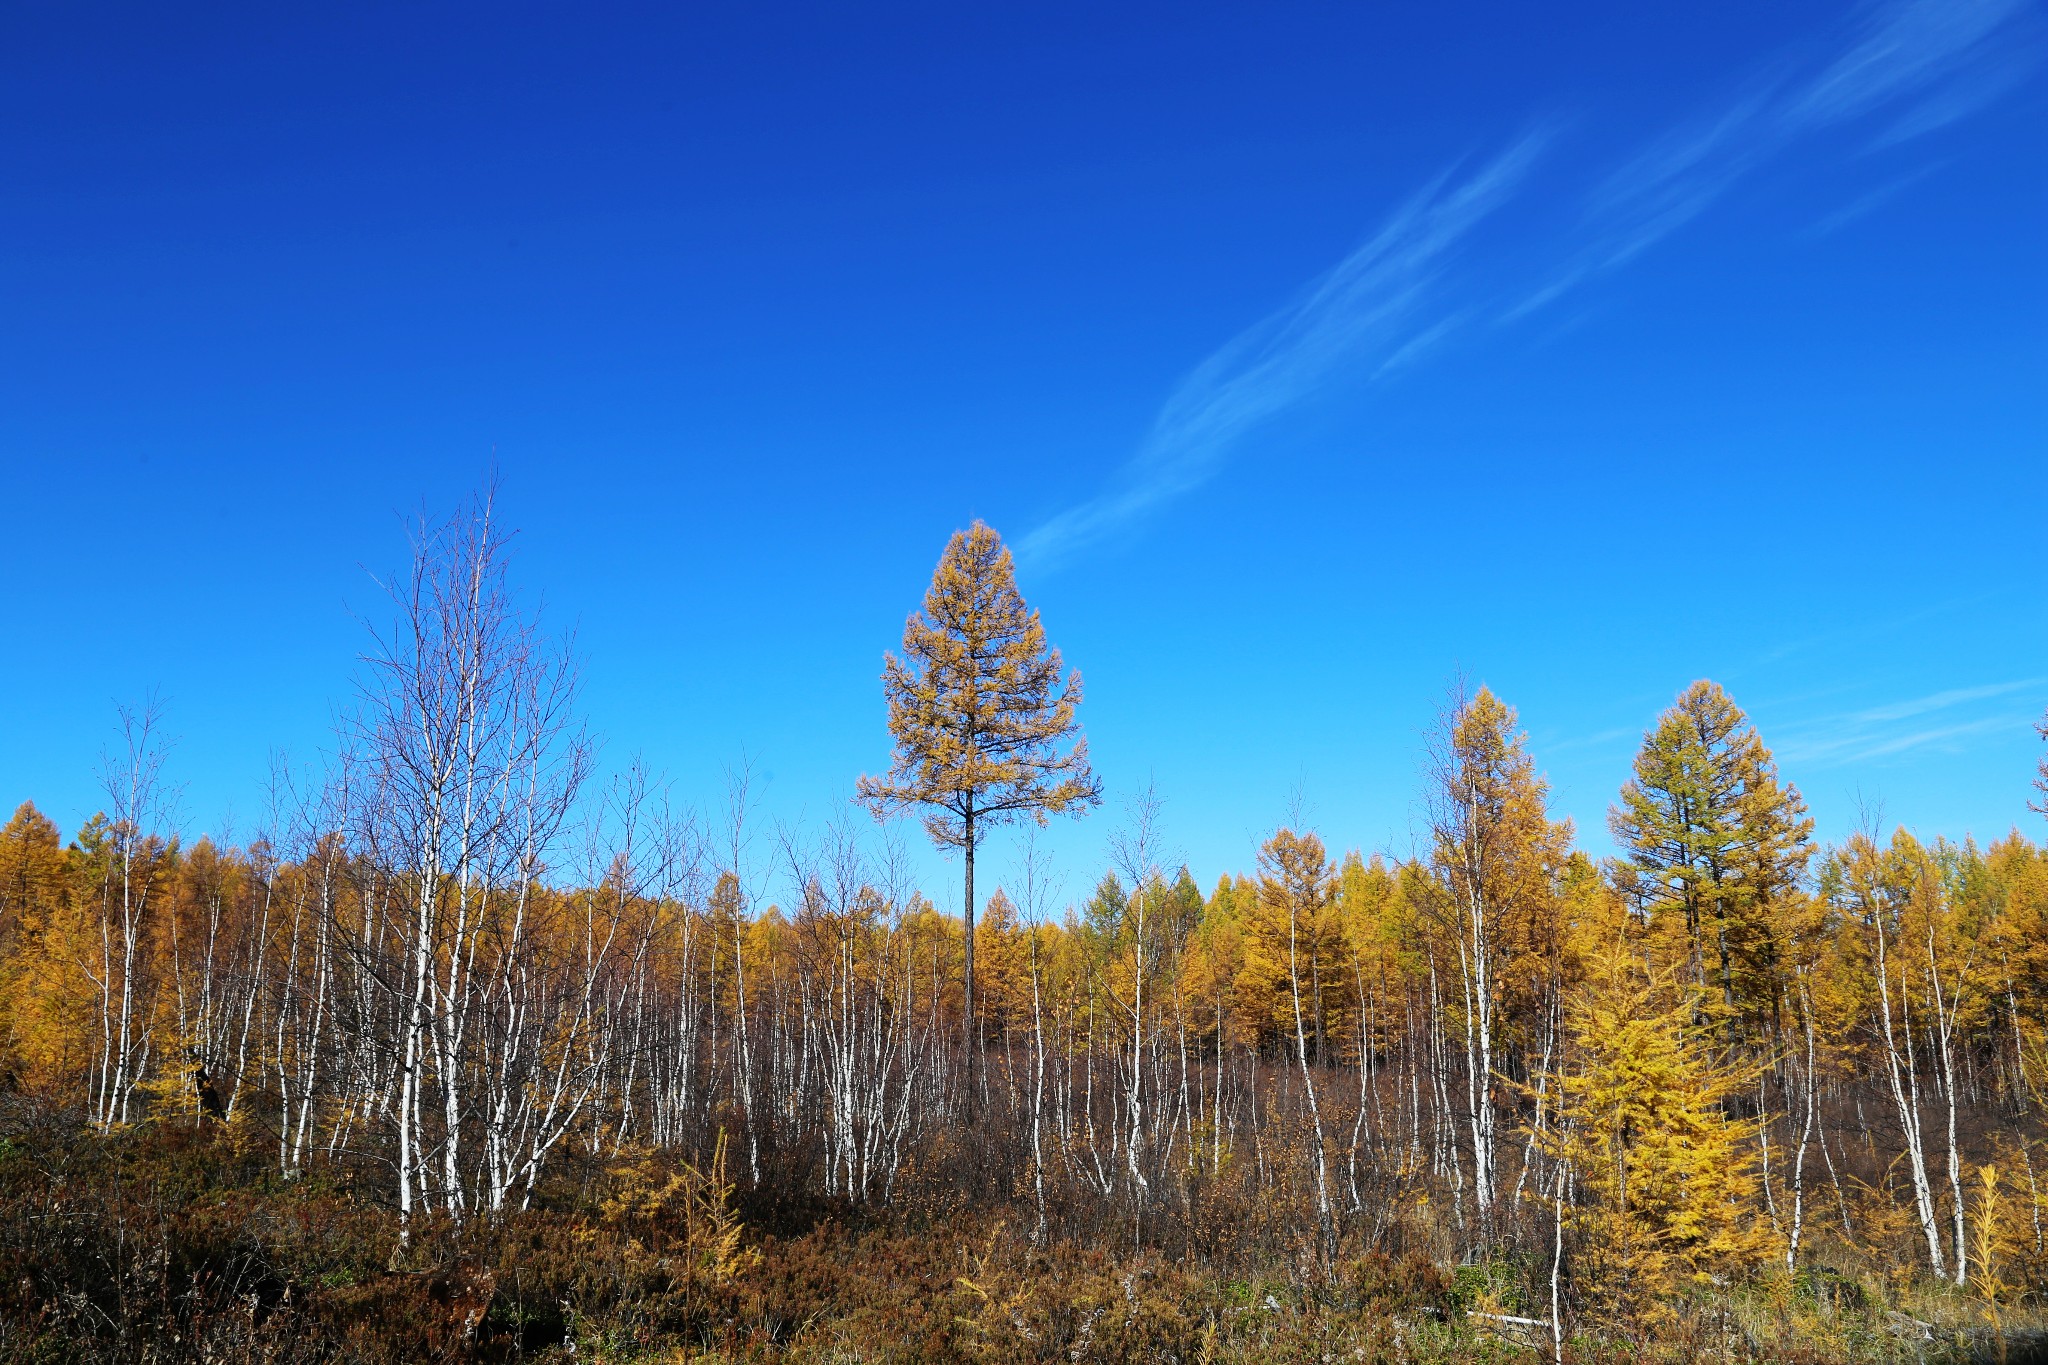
column 1709, row 830
column 982, row 714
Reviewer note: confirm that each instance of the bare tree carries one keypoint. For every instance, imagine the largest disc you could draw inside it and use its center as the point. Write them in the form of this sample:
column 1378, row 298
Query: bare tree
column 131, row 850
column 1134, row 851
column 464, row 729
column 1037, row 888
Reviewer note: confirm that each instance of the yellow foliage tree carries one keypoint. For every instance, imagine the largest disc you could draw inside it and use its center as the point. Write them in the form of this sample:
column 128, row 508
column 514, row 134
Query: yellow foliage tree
column 42, row 1021
column 982, row 714
column 1004, row 953
column 1294, row 947
column 1665, row 1190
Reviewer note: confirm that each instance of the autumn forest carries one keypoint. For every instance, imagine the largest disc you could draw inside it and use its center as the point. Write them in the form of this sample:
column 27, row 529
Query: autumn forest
column 481, row 1050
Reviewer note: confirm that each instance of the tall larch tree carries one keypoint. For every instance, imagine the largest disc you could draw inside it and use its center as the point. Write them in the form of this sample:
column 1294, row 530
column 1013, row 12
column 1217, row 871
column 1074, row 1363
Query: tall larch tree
column 983, row 716
column 1712, row 834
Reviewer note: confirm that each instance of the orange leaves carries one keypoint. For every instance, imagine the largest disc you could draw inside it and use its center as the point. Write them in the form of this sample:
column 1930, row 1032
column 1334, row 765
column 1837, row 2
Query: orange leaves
column 978, row 705
column 43, row 996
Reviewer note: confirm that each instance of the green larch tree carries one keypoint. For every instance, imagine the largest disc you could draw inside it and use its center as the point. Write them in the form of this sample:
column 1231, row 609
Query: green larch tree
column 1710, row 833
column 982, row 714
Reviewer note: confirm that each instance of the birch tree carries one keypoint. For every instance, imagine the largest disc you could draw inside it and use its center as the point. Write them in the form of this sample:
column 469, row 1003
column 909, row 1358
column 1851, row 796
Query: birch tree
column 1497, row 855
column 1873, row 887
column 464, row 704
column 1296, row 880
column 133, row 858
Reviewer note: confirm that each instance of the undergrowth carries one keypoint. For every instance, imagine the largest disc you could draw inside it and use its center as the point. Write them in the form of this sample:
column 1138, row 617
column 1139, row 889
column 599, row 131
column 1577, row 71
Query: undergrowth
column 165, row 1244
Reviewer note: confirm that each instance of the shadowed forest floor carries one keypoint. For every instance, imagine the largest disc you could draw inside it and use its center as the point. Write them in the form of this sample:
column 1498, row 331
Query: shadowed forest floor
column 170, row 1243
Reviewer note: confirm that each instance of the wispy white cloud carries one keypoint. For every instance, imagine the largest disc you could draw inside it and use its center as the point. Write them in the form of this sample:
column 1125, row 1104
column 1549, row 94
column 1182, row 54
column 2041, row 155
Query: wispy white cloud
column 1943, row 58
column 1937, row 720
column 1374, row 311
column 1922, row 63
column 1903, row 49
column 1942, row 701
column 1866, row 203
column 1674, row 180
column 1861, row 747
column 1997, row 71
column 1598, row 739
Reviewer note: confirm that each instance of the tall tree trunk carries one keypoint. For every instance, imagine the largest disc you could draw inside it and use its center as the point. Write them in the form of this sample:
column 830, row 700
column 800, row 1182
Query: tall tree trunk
column 969, row 1036
column 1037, row 1096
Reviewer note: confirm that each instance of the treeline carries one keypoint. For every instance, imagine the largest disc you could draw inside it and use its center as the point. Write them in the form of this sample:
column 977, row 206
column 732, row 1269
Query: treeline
column 456, row 965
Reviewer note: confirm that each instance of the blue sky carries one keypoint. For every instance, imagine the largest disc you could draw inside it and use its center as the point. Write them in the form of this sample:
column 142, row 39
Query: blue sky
column 1309, row 354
